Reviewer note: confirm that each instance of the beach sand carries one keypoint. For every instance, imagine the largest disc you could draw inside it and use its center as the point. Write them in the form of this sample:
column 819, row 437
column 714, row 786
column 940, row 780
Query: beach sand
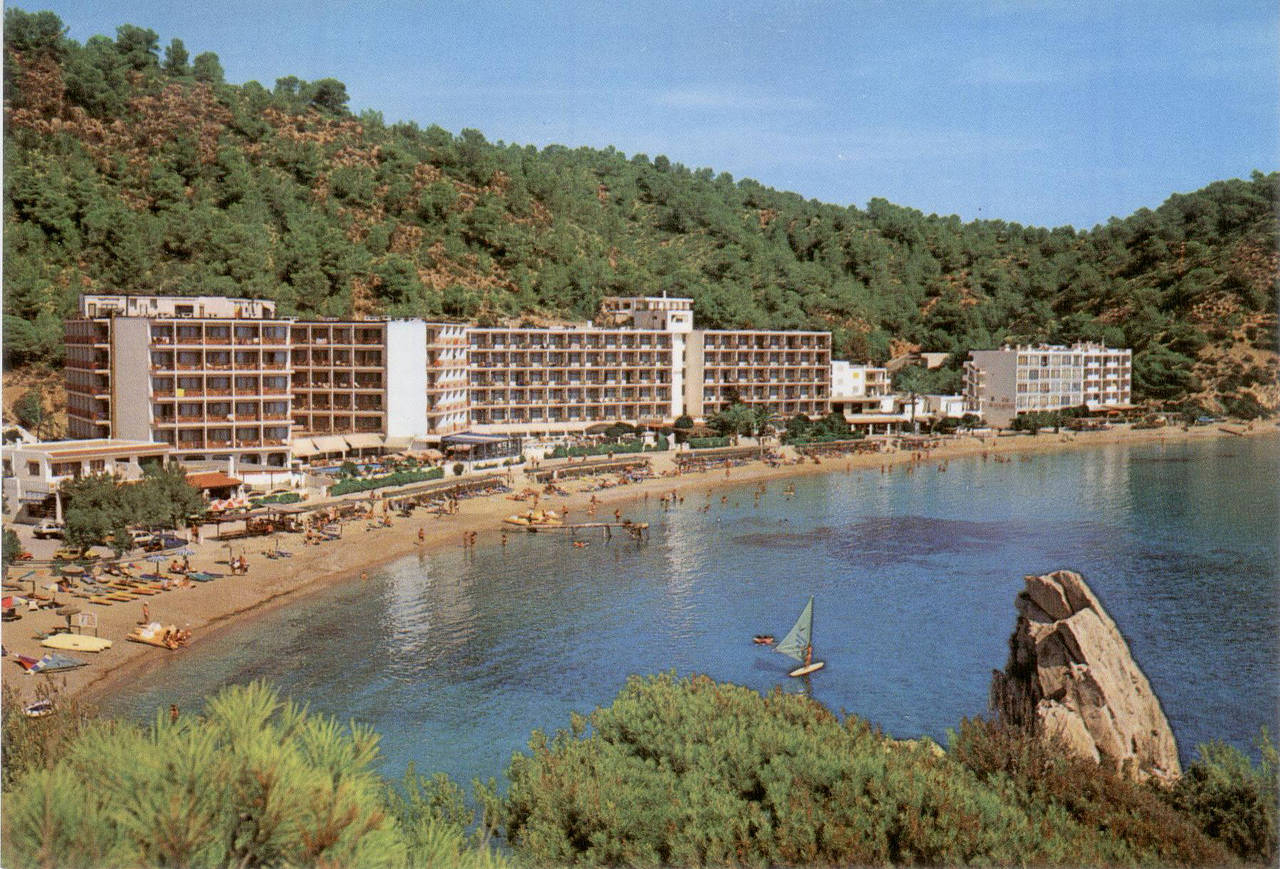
column 225, row 602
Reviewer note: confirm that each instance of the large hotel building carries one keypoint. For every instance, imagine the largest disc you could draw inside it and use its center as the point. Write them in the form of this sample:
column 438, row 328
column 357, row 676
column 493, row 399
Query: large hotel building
column 216, row 377
column 1000, row 384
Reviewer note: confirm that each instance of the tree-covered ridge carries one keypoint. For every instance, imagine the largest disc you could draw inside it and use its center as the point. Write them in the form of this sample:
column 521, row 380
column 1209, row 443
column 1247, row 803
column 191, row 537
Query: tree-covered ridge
column 131, row 168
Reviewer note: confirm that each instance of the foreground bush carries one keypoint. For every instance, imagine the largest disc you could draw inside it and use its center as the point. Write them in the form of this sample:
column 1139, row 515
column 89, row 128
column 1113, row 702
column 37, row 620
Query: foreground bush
column 1044, row 775
column 690, row 772
column 1233, row 800
column 254, row 781
column 36, row 743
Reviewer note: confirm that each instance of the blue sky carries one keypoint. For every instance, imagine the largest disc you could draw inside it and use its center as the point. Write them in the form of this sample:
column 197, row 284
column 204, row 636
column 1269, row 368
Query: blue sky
column 1042, row 113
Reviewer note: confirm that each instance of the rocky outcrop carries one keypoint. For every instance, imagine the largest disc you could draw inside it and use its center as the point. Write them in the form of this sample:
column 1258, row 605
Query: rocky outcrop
column 1070, row 677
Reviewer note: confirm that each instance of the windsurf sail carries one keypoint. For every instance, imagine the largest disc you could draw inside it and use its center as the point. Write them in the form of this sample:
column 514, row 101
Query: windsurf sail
column 799, row 640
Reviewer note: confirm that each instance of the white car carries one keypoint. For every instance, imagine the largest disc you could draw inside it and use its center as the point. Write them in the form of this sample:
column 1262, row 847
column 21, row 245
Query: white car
column 49, row 528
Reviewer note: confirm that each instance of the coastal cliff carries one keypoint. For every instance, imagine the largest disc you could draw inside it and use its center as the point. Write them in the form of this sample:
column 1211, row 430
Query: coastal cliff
column 1071, row 677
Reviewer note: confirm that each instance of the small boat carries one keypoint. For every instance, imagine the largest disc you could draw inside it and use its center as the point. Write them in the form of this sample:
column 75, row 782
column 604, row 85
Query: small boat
column 763, row 639
column 38, row 709
column 798, row 643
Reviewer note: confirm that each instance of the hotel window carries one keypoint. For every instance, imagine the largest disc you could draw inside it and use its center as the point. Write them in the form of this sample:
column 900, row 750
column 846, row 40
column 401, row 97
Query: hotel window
column 33, row 469
column 98, row 466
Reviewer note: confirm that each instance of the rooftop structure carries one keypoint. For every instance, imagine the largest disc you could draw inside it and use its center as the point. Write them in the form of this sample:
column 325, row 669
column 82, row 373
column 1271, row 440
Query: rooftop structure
column 99, row 305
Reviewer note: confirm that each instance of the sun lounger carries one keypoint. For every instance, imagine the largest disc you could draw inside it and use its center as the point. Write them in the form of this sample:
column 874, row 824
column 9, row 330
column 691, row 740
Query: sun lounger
column 102, row 601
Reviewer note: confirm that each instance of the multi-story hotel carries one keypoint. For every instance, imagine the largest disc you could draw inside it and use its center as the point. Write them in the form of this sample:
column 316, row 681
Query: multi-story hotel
column 1003, row 383
column 787, row 372
column 563, row 379
column 205, row 375
column 218, row 377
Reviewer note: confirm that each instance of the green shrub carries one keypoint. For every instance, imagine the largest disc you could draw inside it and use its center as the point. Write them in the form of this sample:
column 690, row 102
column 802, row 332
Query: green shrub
column 253, row 781
column 1232, row 800
column 1045, row 775
column 281, row 498
column 458, row 468
column 36, row 743
column 708, row 443
column 399, row 478
column 690, row 772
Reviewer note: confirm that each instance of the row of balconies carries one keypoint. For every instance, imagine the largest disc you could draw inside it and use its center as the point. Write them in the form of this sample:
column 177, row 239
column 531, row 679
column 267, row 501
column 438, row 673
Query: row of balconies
column 239, row 392
column 719, row 375
column 210, row 339
column 303, row 360
column 323, row 386
column 493, row 360
column 538, row 394
column 578, row 414
column 302, row 403
column 339, row 337
column 337, row 425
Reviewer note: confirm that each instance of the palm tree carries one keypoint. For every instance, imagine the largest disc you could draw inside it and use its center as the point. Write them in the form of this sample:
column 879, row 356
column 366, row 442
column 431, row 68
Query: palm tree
column 762, row 418
column 911, row 380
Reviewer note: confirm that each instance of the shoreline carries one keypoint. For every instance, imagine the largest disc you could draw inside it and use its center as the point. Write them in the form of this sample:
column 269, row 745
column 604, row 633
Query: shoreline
column 211, row 608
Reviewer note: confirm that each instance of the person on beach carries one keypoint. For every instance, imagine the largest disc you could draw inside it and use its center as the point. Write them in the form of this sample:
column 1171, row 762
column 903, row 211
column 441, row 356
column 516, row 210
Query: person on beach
column 146, row 615
column 422, row 536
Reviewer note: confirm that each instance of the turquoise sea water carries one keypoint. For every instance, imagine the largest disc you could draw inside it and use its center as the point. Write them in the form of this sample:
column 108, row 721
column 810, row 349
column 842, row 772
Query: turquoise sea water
column 456, row 657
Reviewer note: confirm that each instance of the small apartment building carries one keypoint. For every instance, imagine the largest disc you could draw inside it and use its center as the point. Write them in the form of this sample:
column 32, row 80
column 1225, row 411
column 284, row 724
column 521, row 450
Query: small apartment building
column 787, row 372
column 33, row 473
column 1000, row 384
column 557, row 380
column 864, row 395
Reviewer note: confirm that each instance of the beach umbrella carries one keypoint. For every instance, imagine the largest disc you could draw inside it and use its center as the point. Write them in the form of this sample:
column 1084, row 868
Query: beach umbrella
column 158, row 557
column 72, row 570
column 183, row 551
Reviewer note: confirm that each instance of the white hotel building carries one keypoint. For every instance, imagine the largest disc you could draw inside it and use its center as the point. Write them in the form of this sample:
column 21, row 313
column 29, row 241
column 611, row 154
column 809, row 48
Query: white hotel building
column 219, row 378
column 1000, row 384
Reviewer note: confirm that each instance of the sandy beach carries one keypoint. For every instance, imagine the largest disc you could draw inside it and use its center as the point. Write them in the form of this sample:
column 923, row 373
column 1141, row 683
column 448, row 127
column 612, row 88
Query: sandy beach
column 208, row 607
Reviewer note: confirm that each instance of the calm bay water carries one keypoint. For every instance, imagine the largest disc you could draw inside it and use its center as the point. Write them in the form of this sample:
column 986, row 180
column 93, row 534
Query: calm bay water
column 456, row 657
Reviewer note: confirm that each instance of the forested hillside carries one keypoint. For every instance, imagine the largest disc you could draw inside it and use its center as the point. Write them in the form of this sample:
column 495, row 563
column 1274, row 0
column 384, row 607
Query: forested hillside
column 135, row 168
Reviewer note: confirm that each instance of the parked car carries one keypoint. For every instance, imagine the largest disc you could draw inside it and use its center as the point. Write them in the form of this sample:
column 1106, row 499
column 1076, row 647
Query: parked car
column 136, row 538
column 49, row 528
column 164, row 541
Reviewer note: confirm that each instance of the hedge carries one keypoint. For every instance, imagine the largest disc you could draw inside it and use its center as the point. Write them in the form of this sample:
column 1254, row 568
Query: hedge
column 826, row 438
column 707, row 443
column 281, row 498
column 399, row 478
column 562, row 452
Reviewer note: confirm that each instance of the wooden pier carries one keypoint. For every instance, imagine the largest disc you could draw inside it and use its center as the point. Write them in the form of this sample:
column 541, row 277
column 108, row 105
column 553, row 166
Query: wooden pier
column 637, row 530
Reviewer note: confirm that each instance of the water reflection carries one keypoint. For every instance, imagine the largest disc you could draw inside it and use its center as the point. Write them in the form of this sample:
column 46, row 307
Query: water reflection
column 456, row 657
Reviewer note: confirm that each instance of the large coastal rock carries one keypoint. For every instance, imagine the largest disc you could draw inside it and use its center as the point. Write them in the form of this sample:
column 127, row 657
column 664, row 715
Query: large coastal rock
column 1070, row 676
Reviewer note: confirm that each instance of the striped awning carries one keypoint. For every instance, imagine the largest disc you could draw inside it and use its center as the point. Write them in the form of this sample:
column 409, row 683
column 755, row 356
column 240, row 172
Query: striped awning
column 330, row 444
column 363, row 440
column 304, row 448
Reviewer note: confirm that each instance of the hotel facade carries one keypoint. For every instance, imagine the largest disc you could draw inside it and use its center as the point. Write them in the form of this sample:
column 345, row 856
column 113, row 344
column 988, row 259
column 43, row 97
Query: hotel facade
column 1000, row 384
column 217, row 378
